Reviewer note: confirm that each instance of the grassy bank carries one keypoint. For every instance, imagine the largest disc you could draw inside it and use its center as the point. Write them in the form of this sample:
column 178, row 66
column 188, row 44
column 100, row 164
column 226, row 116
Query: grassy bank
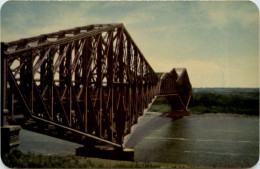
column 240, row 103
column 161, row 104
column 216, row 101
column 16, row 159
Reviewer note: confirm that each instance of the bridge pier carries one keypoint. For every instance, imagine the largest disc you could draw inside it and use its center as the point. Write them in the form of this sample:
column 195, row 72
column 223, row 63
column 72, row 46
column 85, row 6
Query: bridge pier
column 106, row 152
column 9, row 133
column 9, row 138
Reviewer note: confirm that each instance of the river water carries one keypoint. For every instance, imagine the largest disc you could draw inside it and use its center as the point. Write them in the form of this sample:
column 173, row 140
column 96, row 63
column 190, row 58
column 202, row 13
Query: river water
column 31, row 142
column 217, row 140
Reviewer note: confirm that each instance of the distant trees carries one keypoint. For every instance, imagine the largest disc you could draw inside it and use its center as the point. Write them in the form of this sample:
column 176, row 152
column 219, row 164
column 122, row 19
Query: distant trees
column 242, row 103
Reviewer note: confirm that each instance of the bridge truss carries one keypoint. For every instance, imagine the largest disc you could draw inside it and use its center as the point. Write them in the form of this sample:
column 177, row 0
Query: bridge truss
column 92, row 81
column 177, row 88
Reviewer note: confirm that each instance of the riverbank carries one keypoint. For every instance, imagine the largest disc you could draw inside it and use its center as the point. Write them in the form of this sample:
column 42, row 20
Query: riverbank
column 17, row 159
column 237, row 101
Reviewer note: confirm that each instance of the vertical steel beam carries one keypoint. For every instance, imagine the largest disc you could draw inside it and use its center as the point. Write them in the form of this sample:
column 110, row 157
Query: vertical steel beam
column 120, row 114
column 68, row 82
column 31, row 81
column 141, row 82
column 110, row 85
column 43, row 71
column 4, row 76
column 12, row 108
column 129, row 87
column 77, row 76
column 135, row 90
column 99, row 83
column 62, row 65
column 86, row 54
column 62, row 69
column 50, row 81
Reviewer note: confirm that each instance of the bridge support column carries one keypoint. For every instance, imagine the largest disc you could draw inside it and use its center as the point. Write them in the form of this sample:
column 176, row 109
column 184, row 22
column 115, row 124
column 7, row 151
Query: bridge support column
column 9, row 138
column 9, row 133
column 106, row 152
column 4, row 74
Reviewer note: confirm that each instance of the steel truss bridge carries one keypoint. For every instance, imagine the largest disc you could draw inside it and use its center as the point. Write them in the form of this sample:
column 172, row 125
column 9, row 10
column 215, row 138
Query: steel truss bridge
column 87, row 83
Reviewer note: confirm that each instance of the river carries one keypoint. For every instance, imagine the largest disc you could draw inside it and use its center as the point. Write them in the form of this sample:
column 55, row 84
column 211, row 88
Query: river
column 217, row 140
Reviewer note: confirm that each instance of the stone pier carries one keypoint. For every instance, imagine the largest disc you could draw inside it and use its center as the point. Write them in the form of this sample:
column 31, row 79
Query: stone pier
column 9, row 138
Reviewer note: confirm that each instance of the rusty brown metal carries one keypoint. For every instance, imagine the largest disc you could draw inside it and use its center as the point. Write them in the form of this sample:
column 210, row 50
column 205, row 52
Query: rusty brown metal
column 87, row 82
column 176, row 85
column 92, row 80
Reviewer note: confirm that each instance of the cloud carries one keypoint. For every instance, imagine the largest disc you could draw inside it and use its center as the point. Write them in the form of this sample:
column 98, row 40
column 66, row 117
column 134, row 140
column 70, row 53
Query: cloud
column 170, row 34
column 45, row 18
column 244, row 14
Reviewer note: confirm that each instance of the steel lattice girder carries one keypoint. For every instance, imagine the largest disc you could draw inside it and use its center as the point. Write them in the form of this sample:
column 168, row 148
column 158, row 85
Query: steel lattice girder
column 92, row 80
column 176, row 82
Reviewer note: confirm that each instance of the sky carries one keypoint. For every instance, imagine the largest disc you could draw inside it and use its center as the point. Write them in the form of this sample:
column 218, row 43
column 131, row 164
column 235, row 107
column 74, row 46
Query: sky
column 217, row 42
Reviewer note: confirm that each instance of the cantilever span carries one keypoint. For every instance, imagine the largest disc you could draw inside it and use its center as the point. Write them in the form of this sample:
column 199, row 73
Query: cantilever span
column 176, row 85
column 90, row 82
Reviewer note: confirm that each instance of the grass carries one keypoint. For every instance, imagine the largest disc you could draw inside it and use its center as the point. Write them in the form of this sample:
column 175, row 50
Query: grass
column 245, row 103
column 16, row 159
column 215, row 102
column 161, row 104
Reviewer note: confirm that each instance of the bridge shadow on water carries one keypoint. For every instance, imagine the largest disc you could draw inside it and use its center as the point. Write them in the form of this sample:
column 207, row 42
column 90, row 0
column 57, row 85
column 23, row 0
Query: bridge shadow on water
column 150, row 122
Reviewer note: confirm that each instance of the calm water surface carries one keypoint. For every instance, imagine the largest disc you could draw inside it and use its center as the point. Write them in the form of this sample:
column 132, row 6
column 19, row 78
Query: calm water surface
column 36, row 143
column 217, row 140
